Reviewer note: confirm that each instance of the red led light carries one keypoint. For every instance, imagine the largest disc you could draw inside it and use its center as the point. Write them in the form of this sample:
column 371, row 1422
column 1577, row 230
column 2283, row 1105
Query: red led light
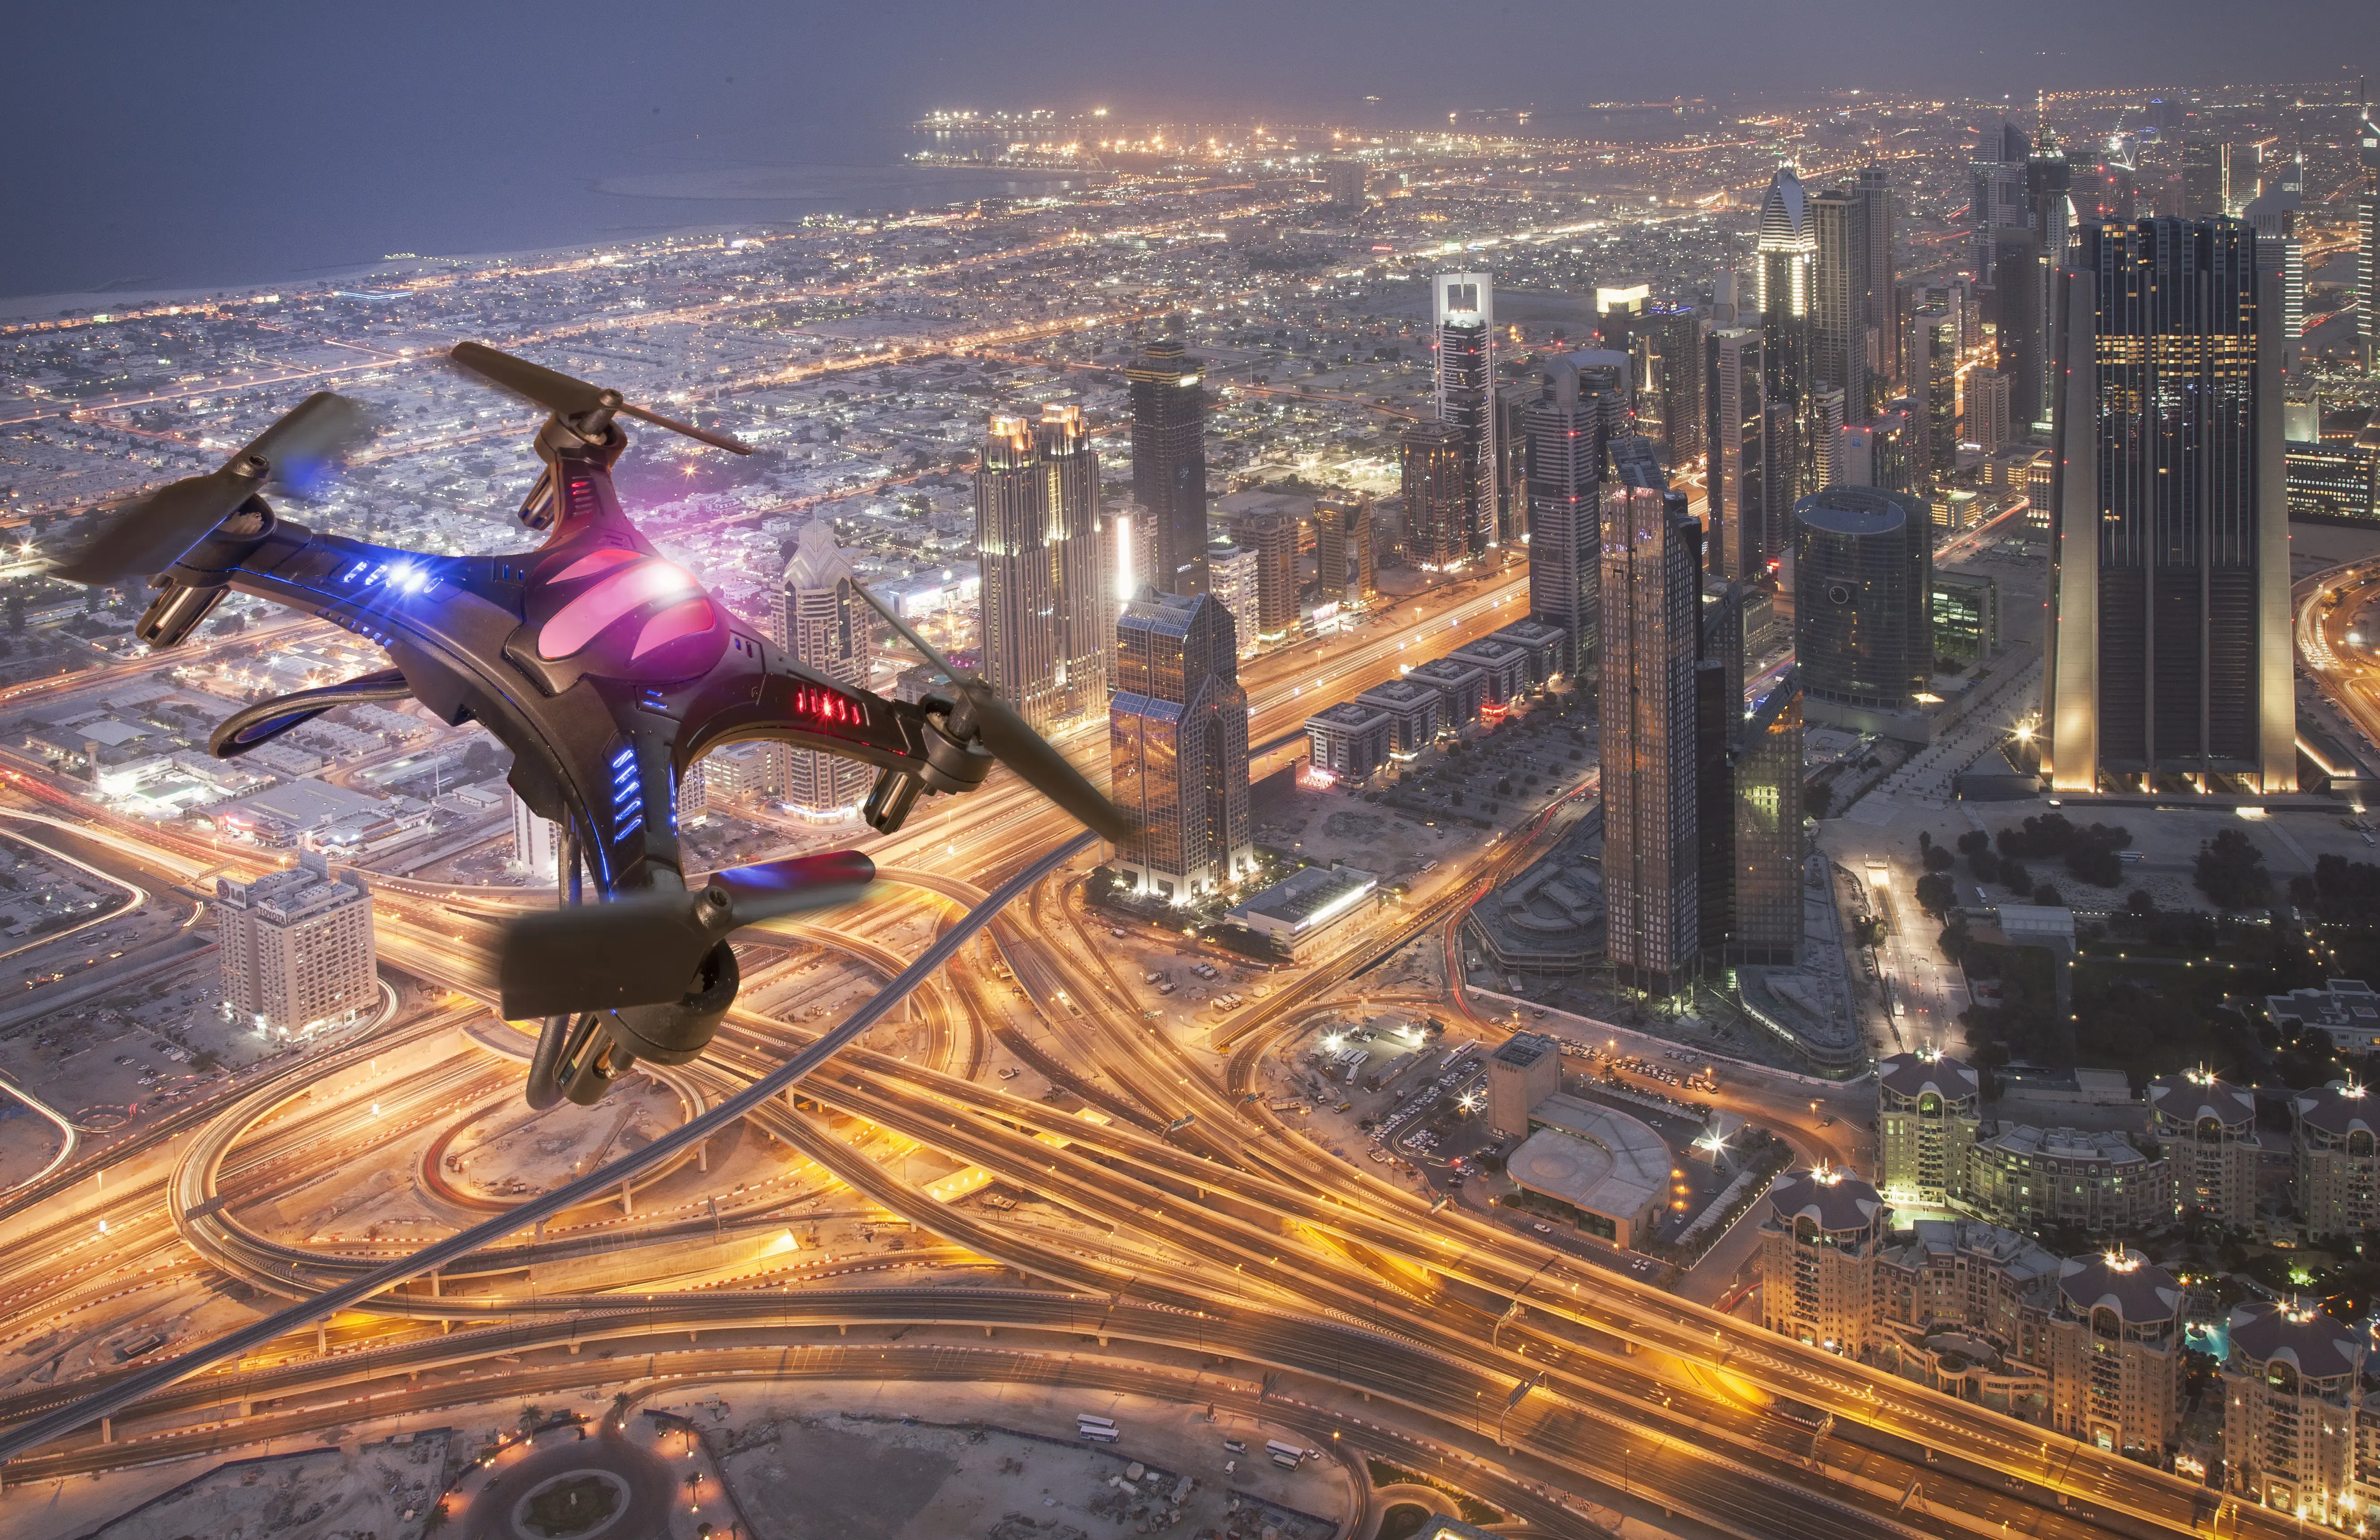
column 826, row 707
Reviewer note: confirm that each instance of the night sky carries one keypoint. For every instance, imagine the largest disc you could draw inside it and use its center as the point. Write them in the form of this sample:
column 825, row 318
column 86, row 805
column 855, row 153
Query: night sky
column 153, row 145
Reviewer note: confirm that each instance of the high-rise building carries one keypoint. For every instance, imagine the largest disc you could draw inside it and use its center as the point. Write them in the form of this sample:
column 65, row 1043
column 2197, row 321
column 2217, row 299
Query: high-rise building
column 1927, row 1115
column 1524, row 1070
column 2336, row 1147
column 1567, row 427
column 2028, row 1177
column 1169, row 460
column 1930, row 362
column 2114, row 1353
column 1178, row 747
column 537, row 841
column 1664, row 343
column 1231, row 578
column 1649, row 622
column 1996, row 197
column 1839, row 302
column 1342, row 184
column 1986, row 415
column 1463, row 332
column 1765, row 907
column 1862, row 599
column 1038, row 539
column 826, row 628
column 2017, row 301
column 2169, row 652
column 1512, row 399
column 2292, row 1397
column 2049, row 216
column 1737, row 437
column 1880, row 316
column 1343, row 565
column 1437, row 490
column 2209, row 1129
column 1271, row 534
column 1718, row 715
column 2206, row 175
column 2367, row 245
column 1818, row 1250
column 1785, row 274
column 296, row 945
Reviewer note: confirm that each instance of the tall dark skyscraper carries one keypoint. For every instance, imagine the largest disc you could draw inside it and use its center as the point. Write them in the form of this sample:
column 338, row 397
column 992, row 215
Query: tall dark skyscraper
column 1463, row 332
column 1737, row 439
column 1169, row 461
column 1930, row 362
column 1344, row 563
column 1566, row 447
column 1178, row 747
column 2049, row 215
column 1664, row 343
column 1838, row 300
column 2170, row 655
column 1996, row 197
column 1439, row 490
column 1862, row 599
column 1651, row 599
column 1879, row 229
column 1271, row 534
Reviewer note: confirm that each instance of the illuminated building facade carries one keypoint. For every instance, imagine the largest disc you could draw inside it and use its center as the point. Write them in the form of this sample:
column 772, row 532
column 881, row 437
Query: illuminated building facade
column 1651, row 599
column 1178, row 747
column 1763, row 786
column 1271, row 535
column 2116, row 1352
column 1818, row 1251
column 1169, row 460
column 1231, row 578
column 1927, row 1115
column 826, row 626
column 2028, row 1177
column 1438, row 491
column 1045, row 584
column 1664, row 343
column 2367, row 243
column 2292, row 1400
column 2333, row 483
column 1463, row 332
column 1344, row 566
column 2208, row 1132
column 1838, row 301
column 1930, row 359
column 1568, row 425
column 296, row 948
column 2170, row 653
column 2338, row 1160
column 1785, row 277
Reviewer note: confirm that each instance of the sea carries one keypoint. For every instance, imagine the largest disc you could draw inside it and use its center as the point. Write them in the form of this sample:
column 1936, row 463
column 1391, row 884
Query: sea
column 177, row 240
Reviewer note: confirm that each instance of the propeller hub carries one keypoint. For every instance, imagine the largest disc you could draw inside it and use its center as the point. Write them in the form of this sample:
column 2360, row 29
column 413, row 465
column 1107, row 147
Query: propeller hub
column 250, row 467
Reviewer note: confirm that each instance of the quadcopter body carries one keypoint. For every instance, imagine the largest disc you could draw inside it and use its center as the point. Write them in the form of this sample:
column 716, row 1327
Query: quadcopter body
column 607, row 671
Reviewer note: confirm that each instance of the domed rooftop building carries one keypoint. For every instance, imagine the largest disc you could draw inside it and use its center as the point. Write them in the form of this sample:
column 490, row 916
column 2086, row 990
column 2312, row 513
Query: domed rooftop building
column 2208, row 1130
column 2289, row 1406
column 1926, row 1113
column 1818, row 1250
column 2116, row 1352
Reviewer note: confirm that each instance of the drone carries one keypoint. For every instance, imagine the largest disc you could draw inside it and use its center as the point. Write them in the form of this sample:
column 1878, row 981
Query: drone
column 608, row 671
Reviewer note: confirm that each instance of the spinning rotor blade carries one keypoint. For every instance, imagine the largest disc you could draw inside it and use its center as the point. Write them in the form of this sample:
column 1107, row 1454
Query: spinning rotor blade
column 566, row 398
column 148, row 535
column 644, row 949
column 1008, row 738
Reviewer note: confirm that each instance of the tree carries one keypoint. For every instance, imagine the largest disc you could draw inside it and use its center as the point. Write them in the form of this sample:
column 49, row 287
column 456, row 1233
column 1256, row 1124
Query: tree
column 1817, row 800
column 1934, row 894
column 2141, row 904
column 2231, row 871
column 2046, row 896
column 1974, row 841
column 1983, row 864
column 2015, row 878
column 1939, row 858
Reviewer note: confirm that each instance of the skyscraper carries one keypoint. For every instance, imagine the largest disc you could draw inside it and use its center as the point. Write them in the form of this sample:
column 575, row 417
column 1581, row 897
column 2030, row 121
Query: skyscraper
column 1565, row 432
column 1785, row 274
column 1987, row 417
column 1463, row 332
column 1838, row 303
column 1879, row 223
column 1862, row 599
column 826, row 628
column 1271, row 534
column 296, row 945
column 1342, row 184
column 2367, row 245
column 2049, row 213
column 1930, row 361
column 1178, row 747
column 1664, row 343
column 1038, row 539
column 2169, row 651
column 1764, row 773
column 1739, row 454
column 1996, row 197
column 1650, row 601
column 1169, row 460
column 1231, row 579
column 1512, row 399
column 1439, row 491
column 1344, row 563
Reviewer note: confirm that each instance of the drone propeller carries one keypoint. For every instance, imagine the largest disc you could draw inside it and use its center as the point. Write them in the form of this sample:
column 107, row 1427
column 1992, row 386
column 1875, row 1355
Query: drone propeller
column 150, row 534
column 982, row 716
column 640, row 949
column 568, row 398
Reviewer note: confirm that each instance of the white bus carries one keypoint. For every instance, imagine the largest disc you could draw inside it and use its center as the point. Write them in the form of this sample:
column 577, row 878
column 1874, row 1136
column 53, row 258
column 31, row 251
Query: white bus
column 1084, row 1419
column 1288, row 1454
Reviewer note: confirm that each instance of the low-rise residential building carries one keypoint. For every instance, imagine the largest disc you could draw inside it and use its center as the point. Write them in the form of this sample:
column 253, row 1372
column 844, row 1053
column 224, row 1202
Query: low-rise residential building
column 1413, row 707
column 1543, row 641
column 2290, row 1400
column 298, row 947
column 1351, row 740
column 2032, row 1177
column 2208, row 1132
column 2347, row 1011
column 1461, row 688
column 1927, row 1111
column 1818, row 1250
column 1964, row 1307
column 1504, row 667
column 2116, row 1349
column 2338, row 1159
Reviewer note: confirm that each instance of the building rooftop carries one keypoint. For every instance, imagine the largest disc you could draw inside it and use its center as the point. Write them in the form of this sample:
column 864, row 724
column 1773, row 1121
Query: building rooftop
column 1834, row 1198
column 2339, row 1108
column 1348, row 713
column 1524, row 1048
column 1913, row 1075
column 2067, row 1143
column 1592, row 1156
column 1445, row 671
column 1400, row 693
column 2314, row 1342
column 2137, row 1289
column 2345, row 1005
column 1306, row 899
column 2185, row 1099
column 303, row 805
column 1859, row 511
column 2018, row 1257
column 1491, row 649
